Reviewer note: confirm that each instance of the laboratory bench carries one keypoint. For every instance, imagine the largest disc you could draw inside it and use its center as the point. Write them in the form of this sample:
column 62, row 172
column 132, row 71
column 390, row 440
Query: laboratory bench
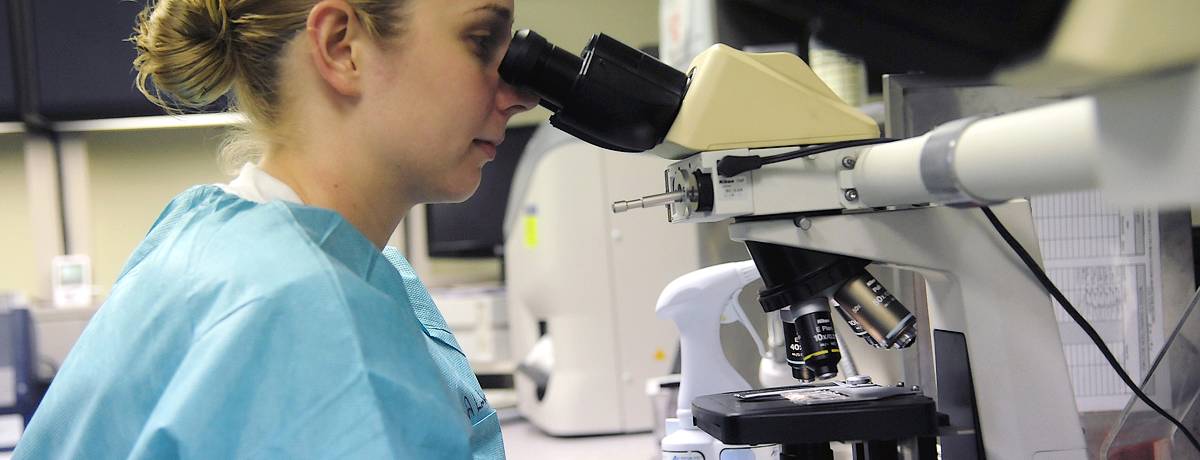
column 523, row 441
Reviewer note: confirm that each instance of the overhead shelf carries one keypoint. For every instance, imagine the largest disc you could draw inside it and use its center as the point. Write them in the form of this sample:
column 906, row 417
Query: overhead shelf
column 200, row 120
column 11, row 127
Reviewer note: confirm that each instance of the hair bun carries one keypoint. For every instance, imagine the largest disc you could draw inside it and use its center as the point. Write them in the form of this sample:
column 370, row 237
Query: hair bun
column 186, row 47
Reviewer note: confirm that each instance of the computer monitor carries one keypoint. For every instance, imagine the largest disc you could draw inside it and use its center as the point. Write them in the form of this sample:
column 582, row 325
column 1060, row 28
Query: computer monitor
column 19, row 392
column 84, row 62
column 474, row 228
column 8, row 87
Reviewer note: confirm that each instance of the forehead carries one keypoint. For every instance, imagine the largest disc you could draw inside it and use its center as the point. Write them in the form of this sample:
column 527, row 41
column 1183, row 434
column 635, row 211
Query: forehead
column 502, row 9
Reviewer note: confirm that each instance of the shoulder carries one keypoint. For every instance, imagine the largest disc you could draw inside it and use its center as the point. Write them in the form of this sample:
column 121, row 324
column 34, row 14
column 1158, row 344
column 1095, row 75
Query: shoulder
column 208, row 224
column 209, row 244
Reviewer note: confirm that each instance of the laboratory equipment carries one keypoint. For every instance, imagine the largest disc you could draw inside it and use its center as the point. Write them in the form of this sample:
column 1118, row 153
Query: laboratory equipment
column 697, row 303
column 626, row 113
column 1064, row 222
column 473, row 228
column 809, row 415
column 582, row 286
column 57, row 330
column 664, row 396
column 911, row 204
column 71, row 280
column 1140, row 433
column 8, row 92
column 800, row 285
column 48, row 64
column 874, row 313
column 19, row 387
column 478, row 317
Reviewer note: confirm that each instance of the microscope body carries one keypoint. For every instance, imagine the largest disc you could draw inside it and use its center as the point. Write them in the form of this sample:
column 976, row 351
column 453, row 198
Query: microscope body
column 987, row 350
column 986, row 345
column 1008, row 385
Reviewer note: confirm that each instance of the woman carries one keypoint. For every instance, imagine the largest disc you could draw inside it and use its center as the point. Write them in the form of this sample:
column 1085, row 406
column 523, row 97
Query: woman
column 261, row 318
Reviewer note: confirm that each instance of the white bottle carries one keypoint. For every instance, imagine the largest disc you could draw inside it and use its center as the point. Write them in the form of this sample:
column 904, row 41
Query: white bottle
column 695, row 302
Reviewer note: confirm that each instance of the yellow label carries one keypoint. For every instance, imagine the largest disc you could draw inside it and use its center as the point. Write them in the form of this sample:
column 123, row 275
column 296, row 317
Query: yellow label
column 531, row 232
column 822, row 352
column 660, row 355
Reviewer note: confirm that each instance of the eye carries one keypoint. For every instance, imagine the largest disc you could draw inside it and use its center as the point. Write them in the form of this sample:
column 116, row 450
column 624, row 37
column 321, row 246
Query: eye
column 485, row 46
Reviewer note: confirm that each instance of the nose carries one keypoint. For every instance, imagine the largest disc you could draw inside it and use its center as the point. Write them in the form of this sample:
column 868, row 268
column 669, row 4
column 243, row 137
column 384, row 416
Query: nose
column 511, row 100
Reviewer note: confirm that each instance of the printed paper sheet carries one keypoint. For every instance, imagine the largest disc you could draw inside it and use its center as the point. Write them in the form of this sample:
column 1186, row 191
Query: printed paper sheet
column 1106, row 260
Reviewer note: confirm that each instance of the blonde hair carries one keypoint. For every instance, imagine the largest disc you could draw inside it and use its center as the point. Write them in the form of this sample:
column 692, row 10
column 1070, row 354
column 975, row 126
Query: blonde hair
column 196, row 51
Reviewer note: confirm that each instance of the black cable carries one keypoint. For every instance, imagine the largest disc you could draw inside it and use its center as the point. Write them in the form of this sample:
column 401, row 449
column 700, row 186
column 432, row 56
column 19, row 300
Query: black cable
column 809, row 151
column 1083, row 323
column 733, row 165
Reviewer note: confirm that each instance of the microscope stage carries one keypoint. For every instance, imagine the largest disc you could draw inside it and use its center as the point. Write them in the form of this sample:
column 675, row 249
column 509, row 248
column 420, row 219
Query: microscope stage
column 734, row 420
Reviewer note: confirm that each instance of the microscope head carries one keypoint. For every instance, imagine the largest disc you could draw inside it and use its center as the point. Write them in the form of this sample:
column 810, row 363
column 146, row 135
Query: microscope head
column 612, row 96
column 619, row 98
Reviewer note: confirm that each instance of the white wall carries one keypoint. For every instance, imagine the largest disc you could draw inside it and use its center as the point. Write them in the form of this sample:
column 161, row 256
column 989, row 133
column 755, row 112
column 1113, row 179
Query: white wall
column 571, row 23
column 132, row 175
column 17, row 272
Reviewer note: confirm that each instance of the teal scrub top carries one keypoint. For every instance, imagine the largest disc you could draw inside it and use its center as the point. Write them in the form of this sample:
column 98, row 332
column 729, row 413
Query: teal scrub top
column 263, row 330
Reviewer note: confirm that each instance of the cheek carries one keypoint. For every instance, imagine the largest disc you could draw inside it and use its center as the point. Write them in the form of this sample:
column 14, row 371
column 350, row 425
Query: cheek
column 451, row 110
column 425, row 119
column 473, row 97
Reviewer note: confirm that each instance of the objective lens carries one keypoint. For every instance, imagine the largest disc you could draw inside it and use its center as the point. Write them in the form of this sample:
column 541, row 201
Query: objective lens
column 865, row 301
column 857, row 328
column 811, row 343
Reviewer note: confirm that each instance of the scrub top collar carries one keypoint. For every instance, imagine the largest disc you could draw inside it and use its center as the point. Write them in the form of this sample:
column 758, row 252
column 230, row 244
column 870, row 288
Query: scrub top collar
column 354, row 251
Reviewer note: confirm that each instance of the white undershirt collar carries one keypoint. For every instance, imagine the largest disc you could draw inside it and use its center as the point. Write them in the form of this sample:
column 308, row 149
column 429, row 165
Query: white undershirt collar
column 254, row 184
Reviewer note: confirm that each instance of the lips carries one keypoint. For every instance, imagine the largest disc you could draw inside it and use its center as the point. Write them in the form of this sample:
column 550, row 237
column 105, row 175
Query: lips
column 488, row 148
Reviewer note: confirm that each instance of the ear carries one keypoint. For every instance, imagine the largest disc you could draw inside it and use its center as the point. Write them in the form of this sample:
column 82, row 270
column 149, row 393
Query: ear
column 333, row 33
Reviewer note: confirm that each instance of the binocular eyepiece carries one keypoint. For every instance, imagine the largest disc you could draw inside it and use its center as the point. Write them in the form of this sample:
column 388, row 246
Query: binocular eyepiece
column 612, row 95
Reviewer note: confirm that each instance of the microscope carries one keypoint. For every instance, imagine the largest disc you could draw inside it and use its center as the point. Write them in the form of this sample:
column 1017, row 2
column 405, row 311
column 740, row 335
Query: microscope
column 817, row 196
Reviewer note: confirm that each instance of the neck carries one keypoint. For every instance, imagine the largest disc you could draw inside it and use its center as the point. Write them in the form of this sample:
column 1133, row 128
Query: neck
column 334, row 177
column 321, row 154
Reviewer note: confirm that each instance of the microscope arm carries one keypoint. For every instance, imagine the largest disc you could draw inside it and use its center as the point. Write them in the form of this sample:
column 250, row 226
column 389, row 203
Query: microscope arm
column 1049, row 149
column 1137, row 143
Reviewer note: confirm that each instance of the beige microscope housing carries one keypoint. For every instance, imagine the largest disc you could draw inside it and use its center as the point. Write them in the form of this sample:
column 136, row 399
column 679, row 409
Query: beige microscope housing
column 747, row 100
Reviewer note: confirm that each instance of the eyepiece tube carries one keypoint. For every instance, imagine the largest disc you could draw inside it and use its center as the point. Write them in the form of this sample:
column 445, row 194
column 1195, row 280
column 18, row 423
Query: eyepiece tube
column 536, row 64
column 610, row 95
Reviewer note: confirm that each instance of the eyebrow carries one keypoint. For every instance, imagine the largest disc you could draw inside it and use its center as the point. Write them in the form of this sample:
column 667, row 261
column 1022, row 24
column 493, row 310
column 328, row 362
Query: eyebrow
column 500, row 11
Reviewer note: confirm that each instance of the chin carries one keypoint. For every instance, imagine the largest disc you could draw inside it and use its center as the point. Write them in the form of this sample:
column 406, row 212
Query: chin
column 458, row 193
column 456, row 186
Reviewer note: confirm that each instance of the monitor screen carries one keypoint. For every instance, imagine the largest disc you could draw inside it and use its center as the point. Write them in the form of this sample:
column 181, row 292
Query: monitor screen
column 70, row 274
column 84, row 60
column 8, row 87
column 474, row 228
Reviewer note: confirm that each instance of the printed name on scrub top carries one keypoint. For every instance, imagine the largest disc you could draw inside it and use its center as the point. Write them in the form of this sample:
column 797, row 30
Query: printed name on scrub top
column 475, row 406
